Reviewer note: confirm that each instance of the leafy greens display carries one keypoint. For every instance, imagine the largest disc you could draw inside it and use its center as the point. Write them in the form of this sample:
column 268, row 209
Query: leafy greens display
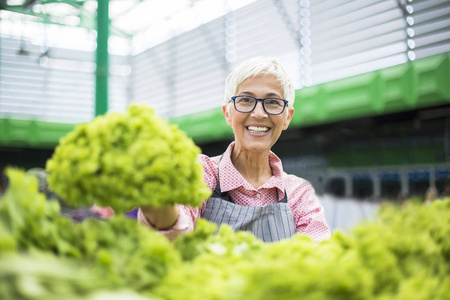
column 404, row 254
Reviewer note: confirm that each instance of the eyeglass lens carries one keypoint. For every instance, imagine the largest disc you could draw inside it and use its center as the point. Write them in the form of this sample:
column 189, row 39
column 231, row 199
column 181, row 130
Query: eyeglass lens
column 247, row 104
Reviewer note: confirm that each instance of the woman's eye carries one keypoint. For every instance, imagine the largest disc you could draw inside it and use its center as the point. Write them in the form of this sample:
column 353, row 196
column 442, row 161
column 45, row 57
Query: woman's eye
column 273, row 102
column 245, row 100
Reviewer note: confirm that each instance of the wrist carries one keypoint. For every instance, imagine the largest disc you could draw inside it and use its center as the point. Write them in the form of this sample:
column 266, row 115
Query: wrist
column 161, row 218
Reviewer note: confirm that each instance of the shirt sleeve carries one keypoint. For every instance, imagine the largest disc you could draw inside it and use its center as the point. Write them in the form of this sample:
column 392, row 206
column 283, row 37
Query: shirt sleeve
column 309, row 215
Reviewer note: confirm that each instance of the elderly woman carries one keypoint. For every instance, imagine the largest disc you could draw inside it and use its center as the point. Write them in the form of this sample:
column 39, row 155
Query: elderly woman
column 251, row 191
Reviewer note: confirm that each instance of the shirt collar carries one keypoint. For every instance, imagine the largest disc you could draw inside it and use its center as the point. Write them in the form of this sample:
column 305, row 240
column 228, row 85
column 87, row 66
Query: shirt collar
column 230, row 178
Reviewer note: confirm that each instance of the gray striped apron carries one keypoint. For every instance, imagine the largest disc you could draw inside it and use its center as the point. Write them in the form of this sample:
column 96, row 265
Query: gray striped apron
column 269, row 223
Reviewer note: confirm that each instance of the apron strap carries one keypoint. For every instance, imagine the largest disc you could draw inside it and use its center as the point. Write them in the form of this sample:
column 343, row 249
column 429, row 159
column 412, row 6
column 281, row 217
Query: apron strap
column 218, row 194
column 284, row 200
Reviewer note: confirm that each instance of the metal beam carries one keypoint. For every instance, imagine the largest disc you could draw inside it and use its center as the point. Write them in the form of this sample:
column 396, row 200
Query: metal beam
column 87, row 20
column 75, row 3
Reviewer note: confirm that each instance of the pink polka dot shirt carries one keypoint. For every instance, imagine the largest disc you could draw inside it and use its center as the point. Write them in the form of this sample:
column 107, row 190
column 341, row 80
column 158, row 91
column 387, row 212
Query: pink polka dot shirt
column 308, row 214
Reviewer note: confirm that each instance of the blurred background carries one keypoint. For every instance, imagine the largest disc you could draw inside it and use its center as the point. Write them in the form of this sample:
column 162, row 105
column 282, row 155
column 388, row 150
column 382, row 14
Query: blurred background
column 372, row 79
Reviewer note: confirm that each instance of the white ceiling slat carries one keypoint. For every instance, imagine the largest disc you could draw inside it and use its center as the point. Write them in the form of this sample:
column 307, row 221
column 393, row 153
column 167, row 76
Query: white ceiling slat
column 422, row 29
column 420, row 17
column 431, row 27
column 435, row 50
column 352, row 12
column 360, row 30
column 364, row 67
column 362, row 57
column 435, row 38
column 364, row 46
column 420, row 5
column 47, row 93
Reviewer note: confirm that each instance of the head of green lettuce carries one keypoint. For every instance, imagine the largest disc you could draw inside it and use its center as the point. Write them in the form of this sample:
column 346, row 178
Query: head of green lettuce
column 126, row 160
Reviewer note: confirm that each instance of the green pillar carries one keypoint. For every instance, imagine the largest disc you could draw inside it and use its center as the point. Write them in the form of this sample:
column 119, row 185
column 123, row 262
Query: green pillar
column 102, row 58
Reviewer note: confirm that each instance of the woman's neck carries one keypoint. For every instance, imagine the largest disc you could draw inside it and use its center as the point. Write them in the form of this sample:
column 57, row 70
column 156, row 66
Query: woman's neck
column 253, row 166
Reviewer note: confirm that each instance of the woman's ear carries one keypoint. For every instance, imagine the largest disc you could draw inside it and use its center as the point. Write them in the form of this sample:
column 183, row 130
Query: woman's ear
column 226, row 114
column 288, row 119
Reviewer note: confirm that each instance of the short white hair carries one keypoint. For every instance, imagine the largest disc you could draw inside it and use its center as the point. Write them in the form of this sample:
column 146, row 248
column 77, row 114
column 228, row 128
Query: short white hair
column 260, row 65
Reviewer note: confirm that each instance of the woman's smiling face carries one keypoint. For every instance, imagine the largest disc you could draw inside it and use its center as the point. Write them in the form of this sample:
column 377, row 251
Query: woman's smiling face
column 258, row 131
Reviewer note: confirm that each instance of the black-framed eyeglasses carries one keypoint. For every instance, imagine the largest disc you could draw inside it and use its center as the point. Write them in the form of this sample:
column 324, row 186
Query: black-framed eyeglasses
column 246, row 104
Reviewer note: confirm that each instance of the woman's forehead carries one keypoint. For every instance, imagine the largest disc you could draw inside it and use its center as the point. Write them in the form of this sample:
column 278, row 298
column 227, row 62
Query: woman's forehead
column 267, row 83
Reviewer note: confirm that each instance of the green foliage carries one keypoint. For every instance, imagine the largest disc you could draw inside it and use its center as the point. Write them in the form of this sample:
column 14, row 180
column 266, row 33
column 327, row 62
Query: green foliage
column 121, row 252
column 44, row 276
column 129, row 254
column 213, row 263
column 239, row 266
column 26, row 216
column 192, row 244
column 207, row 238
column 298, row 267
column 127, row 160
column 404, row 254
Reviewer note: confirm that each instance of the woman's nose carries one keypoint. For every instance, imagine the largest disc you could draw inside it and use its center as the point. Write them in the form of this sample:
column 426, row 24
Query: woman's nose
column 259, row 110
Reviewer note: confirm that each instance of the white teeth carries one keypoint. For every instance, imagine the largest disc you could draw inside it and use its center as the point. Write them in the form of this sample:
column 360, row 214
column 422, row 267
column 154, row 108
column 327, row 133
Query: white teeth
column 257, row 129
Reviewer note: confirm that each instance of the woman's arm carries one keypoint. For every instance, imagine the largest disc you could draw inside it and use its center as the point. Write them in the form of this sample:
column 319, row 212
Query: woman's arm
column 161, row 218
column 171, row 221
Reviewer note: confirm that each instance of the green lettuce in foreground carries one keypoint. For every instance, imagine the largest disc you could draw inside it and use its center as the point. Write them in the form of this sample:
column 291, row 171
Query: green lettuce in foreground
column 126, row 160
column 121, row 253
column 403, row 254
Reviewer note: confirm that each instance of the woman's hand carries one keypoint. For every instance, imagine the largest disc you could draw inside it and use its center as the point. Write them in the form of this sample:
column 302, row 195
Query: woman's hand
column 103, row 212
column 162, row 218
